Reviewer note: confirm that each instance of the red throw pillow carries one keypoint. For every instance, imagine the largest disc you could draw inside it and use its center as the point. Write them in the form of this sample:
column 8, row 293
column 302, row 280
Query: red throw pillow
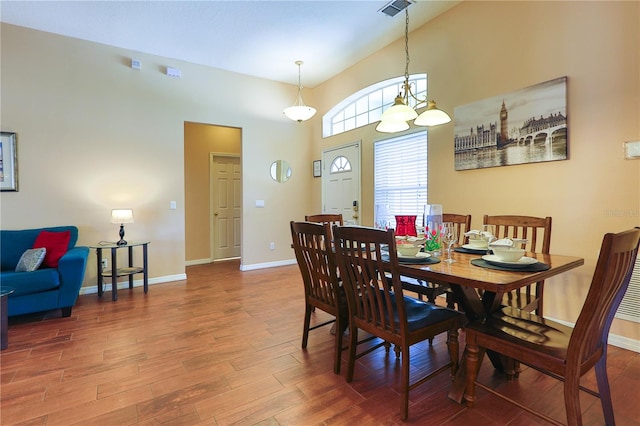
column 56, row 244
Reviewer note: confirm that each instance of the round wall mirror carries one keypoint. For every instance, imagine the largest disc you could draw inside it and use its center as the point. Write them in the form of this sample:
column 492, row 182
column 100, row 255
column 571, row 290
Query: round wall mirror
column 280, row 171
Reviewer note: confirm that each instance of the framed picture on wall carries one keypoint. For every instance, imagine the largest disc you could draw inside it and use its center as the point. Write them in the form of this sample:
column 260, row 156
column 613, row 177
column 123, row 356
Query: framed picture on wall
column 317, row 168
column 8, row 162
column 524, row 126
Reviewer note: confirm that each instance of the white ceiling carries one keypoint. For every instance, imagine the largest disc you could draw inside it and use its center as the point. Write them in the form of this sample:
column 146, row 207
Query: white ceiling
column 262, row 38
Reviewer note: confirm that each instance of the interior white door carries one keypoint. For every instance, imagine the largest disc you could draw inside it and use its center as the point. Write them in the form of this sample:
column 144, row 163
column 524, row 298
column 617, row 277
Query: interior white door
column 226, row 196
column 341, row 182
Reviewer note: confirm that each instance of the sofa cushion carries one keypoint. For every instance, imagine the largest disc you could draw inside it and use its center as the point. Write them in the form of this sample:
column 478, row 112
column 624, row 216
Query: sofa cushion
column 14, row 242
column 31, row 260
column 32, row 282
column 56, row 244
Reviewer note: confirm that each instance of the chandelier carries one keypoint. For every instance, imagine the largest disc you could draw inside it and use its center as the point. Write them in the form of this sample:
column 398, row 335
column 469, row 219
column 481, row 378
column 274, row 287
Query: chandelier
column 299, row 111
column 396, row 117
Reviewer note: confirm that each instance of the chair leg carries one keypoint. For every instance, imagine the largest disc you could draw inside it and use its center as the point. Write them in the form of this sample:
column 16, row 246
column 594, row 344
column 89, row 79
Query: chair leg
column 604, row 390
column 572, row 399
column 340, row 324
column 307, row 320
column 404, row 384
column 472, row 370
column 353, row 343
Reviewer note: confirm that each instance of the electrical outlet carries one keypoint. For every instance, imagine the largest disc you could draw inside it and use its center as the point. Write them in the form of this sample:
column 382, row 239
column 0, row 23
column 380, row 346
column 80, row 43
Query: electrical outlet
column 105, row 263
column 272, row 246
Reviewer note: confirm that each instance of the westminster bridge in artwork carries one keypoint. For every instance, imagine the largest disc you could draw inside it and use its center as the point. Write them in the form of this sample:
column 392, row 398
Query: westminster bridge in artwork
column 543, row 130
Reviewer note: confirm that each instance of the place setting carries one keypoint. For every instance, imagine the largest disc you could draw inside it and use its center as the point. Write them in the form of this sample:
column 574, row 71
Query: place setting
column 508, row 254
column 478, row 240
column 409, row 249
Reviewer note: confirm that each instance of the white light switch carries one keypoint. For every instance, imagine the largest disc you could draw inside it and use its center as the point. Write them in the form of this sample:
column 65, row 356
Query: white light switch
column 172, row 205
column 260, row 203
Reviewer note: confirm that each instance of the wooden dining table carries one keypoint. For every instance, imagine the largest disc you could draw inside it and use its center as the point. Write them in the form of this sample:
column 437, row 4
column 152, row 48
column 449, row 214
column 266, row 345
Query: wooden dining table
column 465, row 279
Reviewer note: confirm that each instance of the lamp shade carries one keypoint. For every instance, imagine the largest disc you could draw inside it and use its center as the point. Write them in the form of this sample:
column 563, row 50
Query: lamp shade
column 392, row 126
column 432, row 116
column 122, row 216
column 399, row 111
column 299, row 113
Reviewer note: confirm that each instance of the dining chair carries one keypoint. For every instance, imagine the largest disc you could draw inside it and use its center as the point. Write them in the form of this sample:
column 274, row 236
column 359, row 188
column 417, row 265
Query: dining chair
column 462, row 223
column 562, row 352
column 368, row 265
column 331, row 219
column 316, row 260
column 537, row 230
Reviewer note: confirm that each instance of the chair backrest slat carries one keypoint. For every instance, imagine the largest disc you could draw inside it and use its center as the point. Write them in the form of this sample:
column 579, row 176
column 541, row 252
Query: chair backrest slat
column 608, row 286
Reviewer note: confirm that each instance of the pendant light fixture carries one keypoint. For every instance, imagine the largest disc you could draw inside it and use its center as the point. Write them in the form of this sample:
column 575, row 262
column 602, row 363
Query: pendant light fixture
column 299, row 111
column 395, row 118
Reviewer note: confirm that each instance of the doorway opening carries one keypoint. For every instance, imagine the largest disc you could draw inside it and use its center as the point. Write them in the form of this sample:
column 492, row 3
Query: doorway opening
column 203, row 142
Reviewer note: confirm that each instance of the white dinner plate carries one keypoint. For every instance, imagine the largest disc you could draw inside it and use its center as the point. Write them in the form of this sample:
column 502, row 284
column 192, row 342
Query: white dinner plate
column 524, row 261
column 419, row 255
column 470, row 247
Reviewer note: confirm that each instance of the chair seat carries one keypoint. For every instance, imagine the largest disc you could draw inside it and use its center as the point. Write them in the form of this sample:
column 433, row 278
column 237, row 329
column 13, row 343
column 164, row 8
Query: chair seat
column 422, row 314
column 526, row 329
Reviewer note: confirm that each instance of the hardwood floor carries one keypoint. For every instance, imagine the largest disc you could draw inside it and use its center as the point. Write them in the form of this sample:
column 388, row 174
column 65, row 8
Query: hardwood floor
column 223, row 347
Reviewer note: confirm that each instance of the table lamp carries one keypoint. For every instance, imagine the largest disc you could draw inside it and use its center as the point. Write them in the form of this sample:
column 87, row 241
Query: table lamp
column 122, row 216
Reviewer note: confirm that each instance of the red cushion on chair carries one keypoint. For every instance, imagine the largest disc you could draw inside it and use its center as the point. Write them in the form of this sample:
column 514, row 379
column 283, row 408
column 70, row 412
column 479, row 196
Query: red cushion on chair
column 56, row 244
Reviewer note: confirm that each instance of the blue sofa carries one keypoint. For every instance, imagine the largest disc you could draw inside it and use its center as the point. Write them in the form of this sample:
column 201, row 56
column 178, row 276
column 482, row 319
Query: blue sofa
column 45, row 288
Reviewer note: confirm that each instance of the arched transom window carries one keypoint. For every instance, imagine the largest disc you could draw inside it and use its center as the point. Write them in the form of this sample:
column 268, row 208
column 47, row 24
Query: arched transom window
column 340, row 164
column 366, row 106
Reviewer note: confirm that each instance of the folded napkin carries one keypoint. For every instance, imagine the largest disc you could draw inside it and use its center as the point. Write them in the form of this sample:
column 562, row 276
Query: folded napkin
column 509, row 242
column 476, row 234
column 504, row 242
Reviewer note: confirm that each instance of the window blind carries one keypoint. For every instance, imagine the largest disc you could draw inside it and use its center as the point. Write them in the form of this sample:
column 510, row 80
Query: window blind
column 400, row 177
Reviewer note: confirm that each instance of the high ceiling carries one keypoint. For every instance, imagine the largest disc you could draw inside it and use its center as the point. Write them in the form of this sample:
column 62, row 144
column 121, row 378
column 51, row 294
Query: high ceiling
column 262, row 38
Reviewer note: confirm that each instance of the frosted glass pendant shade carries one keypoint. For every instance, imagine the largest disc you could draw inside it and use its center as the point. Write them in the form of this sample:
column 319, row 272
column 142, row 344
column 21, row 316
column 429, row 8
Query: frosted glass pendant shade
column 399, row 111
column 391, row 126
column 432, row 116
column 299, row 113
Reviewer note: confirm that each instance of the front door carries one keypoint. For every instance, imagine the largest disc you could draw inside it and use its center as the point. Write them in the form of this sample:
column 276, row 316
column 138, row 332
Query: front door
column 226, row 202
column 341, row 182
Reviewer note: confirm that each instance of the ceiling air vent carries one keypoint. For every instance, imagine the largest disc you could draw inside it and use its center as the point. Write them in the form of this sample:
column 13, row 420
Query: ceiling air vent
column 393, row 7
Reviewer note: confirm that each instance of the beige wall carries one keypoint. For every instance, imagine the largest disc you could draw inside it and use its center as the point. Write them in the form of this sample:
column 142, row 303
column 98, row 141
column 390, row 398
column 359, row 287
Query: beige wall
column 94, row 134
column 482, row 49
column 199, row 141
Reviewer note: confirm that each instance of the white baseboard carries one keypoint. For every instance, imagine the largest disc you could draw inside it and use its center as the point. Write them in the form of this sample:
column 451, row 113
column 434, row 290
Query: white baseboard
column 267, row 265
column 136, row 283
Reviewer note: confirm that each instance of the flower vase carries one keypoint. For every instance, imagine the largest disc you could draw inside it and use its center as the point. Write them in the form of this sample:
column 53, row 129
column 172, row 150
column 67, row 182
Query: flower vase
column 406, row 225
column 432, row 224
